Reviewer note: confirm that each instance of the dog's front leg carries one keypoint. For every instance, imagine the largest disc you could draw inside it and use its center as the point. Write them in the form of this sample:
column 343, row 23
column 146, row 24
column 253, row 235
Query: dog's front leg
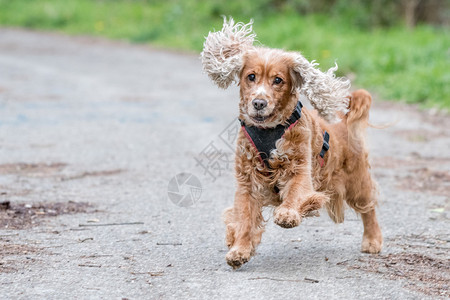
column 298, row 199
column 244, row 228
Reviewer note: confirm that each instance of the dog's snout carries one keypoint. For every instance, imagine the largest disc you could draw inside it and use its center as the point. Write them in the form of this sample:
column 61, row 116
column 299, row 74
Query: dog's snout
column 259, row 104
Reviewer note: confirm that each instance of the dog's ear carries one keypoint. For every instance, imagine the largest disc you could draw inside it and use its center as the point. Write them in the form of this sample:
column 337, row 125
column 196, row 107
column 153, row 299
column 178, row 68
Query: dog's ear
column 222, row 51
column 327, row 94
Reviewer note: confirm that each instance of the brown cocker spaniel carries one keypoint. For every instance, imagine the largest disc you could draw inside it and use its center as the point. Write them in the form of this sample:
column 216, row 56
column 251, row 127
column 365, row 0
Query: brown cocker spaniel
column 289, row 157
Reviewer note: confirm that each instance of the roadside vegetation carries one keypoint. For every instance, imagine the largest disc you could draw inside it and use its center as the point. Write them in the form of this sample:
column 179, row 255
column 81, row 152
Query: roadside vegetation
column 368, row 39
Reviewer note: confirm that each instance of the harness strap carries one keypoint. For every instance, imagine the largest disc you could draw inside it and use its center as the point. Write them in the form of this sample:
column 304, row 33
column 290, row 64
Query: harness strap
column 325, row 147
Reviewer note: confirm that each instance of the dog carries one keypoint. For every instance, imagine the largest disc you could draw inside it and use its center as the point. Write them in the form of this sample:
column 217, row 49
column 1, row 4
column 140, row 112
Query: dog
column 288, row 157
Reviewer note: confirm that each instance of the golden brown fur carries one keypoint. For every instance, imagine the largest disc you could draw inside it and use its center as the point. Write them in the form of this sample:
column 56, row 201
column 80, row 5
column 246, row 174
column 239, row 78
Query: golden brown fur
column 305, row 183
column 295, row 168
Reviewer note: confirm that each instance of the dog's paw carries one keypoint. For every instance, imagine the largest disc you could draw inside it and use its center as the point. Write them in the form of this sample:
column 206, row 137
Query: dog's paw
column 286, row 217
column 372, row 245
column 237, row 257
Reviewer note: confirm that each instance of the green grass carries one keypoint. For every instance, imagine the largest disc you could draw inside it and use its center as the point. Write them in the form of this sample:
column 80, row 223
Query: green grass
column 395, row 63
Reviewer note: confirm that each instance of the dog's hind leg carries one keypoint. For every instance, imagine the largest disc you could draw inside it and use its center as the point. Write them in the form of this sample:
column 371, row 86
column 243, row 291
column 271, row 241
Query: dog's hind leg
column 362, row 197
column 244, row 224
column 372, row 238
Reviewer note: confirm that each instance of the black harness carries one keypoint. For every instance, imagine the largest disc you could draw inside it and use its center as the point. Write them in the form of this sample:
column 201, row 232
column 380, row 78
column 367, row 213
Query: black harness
column 264, row 139
column 326, row 144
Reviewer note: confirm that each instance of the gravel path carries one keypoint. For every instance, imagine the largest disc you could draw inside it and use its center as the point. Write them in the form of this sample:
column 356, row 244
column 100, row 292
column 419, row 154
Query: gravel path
column 93, row 131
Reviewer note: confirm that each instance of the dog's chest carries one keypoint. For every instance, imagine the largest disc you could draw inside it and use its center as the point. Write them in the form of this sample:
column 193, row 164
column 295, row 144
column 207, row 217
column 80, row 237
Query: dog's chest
column 264, row 140
column 275, row 170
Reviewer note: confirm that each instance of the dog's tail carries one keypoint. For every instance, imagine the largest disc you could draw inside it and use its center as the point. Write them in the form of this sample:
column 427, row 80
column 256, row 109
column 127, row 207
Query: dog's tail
column 358, row 120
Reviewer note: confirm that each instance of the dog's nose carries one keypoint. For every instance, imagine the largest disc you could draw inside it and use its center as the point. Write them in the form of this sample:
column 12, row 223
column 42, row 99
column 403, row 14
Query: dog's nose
column 259, row 104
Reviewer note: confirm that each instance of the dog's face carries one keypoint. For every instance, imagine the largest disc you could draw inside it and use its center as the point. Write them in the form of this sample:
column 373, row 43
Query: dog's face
column 267, row 81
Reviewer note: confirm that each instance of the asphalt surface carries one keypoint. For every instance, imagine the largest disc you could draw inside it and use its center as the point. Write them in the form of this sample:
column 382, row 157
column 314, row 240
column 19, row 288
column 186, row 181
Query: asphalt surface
column 110, row 124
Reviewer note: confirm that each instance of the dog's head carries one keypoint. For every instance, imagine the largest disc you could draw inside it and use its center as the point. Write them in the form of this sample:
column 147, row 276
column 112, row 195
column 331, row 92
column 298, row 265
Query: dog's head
column 270, row 79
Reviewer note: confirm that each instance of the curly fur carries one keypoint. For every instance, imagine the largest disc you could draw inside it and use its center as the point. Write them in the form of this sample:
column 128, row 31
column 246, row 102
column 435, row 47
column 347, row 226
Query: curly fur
column 305, row 182
column 326, row 93
column 222, row 51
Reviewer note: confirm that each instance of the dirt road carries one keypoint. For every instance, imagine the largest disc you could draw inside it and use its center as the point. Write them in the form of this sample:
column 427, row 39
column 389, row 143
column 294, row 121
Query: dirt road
column 91, row 134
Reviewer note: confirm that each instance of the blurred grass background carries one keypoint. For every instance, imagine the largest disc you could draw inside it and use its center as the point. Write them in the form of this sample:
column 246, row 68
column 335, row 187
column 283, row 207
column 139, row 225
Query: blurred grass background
column 398, row 49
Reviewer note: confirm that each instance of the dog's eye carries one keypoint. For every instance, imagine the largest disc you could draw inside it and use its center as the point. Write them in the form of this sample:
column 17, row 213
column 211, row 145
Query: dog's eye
column 251, row 77
column 278, row 80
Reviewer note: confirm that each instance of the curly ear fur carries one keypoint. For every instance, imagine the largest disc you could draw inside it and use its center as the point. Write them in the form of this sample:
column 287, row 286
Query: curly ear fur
column 327, row 94
column 222, row 51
